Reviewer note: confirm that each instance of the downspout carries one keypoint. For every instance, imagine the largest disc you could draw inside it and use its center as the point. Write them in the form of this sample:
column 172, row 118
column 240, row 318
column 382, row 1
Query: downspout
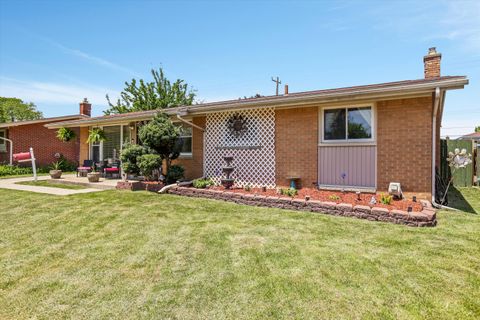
column 190, row 123
column 11, row 149
column 436, row 106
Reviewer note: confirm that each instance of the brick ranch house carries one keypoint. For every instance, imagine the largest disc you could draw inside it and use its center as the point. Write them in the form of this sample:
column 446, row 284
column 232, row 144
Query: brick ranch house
column 371, row 135
column 26, row 134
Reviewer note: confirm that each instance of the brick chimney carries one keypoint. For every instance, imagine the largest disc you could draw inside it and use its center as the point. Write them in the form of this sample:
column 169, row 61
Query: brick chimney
column 85, row 107
column 286, row 89
column 432, row 63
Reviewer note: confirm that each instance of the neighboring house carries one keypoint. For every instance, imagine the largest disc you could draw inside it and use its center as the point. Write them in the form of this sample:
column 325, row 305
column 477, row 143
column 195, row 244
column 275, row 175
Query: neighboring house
column 26, row 134
column 370, row 135
column 475, row 136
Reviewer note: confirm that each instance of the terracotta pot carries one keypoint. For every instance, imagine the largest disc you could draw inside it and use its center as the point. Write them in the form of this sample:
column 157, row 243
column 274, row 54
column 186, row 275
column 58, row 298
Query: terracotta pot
column 55, row 174
column 93, row 176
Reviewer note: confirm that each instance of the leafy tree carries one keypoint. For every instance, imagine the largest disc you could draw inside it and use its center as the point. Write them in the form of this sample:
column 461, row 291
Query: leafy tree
column 13, row 109
column 162, row 136
column 477, row 129
column 157, row 94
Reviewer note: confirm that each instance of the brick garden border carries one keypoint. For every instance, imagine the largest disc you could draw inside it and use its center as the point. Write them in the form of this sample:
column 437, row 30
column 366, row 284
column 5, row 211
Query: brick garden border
column 426, row 218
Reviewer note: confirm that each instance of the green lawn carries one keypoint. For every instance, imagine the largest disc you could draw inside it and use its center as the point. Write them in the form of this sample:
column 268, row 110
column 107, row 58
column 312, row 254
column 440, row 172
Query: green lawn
column 125, row 255
column 48, row 183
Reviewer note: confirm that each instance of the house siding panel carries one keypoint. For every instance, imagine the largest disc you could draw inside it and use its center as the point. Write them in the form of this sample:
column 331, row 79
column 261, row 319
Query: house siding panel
column 357, row 162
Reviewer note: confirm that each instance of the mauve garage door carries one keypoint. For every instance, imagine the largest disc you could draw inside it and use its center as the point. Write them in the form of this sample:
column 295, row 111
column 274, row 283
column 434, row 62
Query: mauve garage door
column 356, row 162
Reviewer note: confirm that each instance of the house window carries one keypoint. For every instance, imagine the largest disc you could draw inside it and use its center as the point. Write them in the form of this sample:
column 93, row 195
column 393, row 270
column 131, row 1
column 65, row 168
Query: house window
column 347, row 124
column 3, row 143
column 186, row 140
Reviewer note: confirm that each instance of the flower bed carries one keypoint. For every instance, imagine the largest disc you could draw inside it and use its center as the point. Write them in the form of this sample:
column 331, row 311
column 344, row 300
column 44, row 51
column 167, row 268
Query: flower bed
column 335, row 196
column 425, row 216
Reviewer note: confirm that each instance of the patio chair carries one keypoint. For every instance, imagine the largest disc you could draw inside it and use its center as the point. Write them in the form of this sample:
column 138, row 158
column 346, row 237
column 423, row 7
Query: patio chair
column 85, row 168
column 113, row 170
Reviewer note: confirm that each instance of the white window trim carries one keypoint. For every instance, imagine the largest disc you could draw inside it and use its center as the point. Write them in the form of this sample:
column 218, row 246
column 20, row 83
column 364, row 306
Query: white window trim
column 185, row 155
column 3, row 143
column 369, row 141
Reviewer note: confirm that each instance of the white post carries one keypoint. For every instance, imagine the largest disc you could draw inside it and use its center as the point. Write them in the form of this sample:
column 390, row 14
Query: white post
column 34, row 167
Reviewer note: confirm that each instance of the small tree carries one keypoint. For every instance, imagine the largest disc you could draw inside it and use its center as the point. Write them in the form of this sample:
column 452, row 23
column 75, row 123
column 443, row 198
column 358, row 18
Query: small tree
column 129, row 158
column 150, row 165
column 477, row 129
column 162, row 136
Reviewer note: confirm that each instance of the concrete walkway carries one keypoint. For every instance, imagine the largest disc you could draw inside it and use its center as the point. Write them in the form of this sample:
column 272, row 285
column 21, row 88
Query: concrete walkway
column 11, row 184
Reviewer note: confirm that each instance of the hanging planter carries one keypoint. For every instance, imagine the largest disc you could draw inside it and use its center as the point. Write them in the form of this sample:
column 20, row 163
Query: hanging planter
column 65, row 134
column 96, row 135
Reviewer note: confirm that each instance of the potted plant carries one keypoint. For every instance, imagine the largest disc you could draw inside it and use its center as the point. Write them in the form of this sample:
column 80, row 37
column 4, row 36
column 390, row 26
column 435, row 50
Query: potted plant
column 96, row 135
column 93, row 176
column 55, row 170
column 65, row 134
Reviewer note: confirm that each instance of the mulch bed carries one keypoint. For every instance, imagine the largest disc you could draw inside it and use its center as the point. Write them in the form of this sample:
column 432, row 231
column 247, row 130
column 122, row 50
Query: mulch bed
column 344, row 197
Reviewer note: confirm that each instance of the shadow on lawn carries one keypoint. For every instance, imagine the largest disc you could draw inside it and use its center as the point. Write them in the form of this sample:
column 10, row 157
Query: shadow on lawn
column 457, row 200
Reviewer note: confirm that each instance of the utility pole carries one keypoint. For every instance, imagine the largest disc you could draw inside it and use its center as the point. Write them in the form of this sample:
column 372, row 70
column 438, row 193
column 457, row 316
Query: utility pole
column 277, row 81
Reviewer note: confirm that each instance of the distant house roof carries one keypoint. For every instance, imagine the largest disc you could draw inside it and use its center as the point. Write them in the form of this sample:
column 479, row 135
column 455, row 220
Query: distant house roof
column 43, row 120
column 306, row 98
column 471, row 136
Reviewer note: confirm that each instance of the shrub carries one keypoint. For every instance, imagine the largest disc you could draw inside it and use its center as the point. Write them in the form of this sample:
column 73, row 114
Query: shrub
column 290, row 192
column 247, row 188
column 7, row 170
column 129, row 157
column 175, row 173
column 149, row 165
column 333, row 197
column 65, row 134
column 202, row 183
column 386, row 198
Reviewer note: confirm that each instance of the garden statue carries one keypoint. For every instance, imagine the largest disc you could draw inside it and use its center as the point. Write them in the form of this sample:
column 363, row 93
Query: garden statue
column 227, row 182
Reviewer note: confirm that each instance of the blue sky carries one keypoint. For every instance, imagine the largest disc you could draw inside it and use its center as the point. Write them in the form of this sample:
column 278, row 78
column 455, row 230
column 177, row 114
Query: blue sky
column 55, row 53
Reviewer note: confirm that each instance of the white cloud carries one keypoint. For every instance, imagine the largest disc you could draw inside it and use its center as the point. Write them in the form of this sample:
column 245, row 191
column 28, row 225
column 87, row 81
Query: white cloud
column 53, row 93
column 91, row 58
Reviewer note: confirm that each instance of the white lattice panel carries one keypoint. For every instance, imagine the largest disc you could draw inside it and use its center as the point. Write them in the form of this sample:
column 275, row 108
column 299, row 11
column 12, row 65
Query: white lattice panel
column 253, row 152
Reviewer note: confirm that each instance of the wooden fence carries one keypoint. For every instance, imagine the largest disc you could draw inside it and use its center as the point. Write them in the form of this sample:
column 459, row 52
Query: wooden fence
column 463, row 177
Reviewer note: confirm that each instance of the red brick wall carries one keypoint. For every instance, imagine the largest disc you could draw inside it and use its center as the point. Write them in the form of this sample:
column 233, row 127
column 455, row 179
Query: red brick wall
column 296, row 143
column 404, row 144
column 44, row 143
column 194, row 165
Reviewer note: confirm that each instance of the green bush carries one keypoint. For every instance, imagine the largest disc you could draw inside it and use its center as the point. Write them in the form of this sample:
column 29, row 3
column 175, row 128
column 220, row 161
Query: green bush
column 7, row 170
column 202, row 183
column 149, row 165
column 129, row 157
column 290, row 192
column 386, row 198
column 175, row 173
